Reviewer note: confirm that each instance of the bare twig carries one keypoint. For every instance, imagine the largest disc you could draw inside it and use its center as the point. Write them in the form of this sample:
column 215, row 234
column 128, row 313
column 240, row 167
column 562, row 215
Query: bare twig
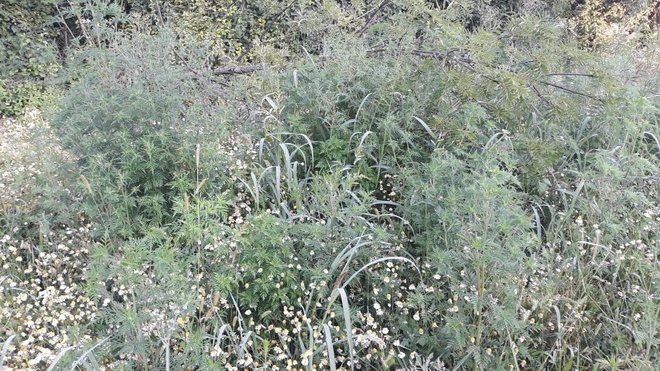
column 571, row 74
column 570, row 90
column 371, row 15
column 160, row 14
column 538, row 93
column 250, row 68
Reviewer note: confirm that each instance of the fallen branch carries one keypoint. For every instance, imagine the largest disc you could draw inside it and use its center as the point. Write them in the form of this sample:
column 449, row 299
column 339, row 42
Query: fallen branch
column 437, row 55
column 251, row 68
column 238, row 70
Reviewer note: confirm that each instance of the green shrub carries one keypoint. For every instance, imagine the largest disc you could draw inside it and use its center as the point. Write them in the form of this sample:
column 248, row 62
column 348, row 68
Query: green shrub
column 476, row 236
column 134, row 115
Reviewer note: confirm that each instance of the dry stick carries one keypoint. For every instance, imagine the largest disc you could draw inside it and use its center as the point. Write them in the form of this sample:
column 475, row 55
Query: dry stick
column 544, row 99
column 434, row 53
column 271, row 22
column 466, row 65
column 160, row 14
column 199, row 75
column 193, row 70
column 570, row 90
column 571, row 74
column 237, row 70
column 73, row 36
column 371, row 17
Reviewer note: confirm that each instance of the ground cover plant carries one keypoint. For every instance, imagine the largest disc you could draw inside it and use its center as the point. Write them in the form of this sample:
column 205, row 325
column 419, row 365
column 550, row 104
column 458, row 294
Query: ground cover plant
column 335, row 185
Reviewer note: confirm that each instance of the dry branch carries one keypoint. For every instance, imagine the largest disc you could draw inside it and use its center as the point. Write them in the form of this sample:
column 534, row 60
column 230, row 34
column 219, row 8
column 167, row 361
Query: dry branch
column 238, row 70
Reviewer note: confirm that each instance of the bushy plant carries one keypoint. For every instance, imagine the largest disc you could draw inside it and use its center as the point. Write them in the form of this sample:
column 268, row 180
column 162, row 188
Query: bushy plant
column 473, row 231
column 134, row 114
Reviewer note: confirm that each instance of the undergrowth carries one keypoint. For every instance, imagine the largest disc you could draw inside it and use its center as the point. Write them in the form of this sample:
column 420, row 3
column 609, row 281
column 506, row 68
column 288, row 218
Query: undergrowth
column 411, row 190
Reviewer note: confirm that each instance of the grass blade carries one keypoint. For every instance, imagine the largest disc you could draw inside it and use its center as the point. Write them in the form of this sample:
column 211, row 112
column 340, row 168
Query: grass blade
column 5, row 349
column 59, row 356
column 427, row 128
column 242, row 348
column 331, row 350
column 84, row 355
column 347, row 324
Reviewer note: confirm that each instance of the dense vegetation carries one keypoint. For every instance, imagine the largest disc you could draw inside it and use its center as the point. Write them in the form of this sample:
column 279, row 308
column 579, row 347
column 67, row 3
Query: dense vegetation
column 394, row 184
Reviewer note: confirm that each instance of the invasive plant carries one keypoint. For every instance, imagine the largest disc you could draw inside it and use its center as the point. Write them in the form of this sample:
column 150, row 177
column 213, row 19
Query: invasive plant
column 134, row 117
column 473, row 229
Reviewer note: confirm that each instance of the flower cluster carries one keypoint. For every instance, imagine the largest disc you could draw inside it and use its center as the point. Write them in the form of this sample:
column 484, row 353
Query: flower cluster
column 41, row 282
column 28, row 151
column 240, row 149
column 41, row 295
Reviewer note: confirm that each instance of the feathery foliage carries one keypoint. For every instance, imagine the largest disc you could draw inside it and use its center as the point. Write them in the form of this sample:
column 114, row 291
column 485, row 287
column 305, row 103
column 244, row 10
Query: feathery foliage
column 390, row 184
